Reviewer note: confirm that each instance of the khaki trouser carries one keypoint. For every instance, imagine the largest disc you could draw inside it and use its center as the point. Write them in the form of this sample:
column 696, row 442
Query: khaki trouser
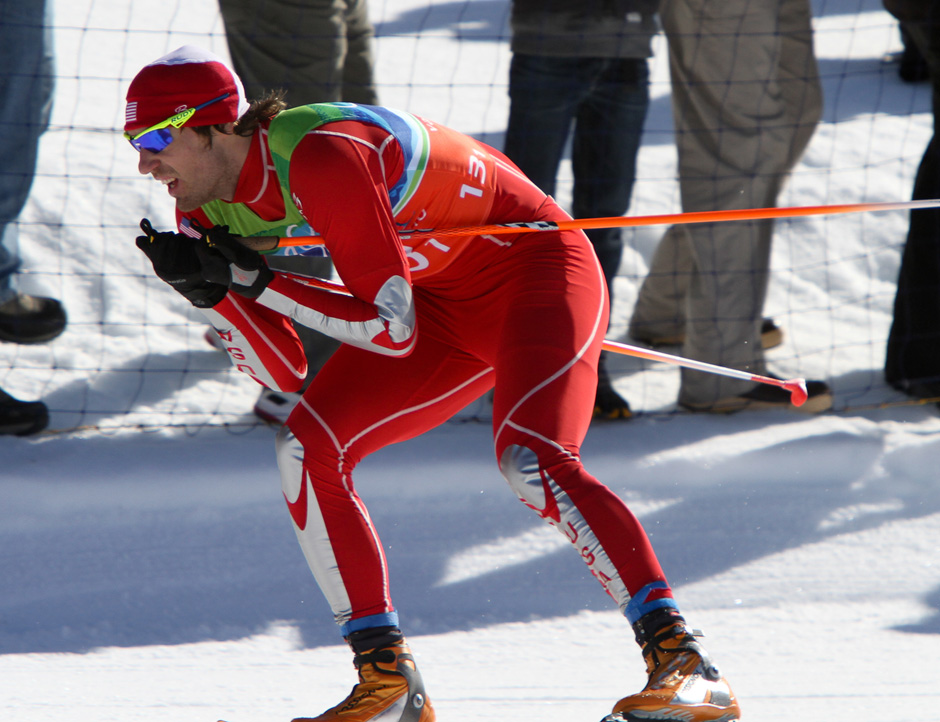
column 746, row 100
column 317, row 50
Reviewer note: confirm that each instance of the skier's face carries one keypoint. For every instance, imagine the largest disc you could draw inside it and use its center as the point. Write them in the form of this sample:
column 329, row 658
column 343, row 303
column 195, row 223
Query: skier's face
column 195, row 169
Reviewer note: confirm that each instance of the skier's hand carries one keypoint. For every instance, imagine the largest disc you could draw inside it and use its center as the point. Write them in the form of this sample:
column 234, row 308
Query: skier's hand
column 174, row 260
column 226, row 261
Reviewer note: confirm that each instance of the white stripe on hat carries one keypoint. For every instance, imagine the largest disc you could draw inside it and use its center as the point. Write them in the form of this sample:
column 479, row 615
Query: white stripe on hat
column 130, row 113
column 188, row 54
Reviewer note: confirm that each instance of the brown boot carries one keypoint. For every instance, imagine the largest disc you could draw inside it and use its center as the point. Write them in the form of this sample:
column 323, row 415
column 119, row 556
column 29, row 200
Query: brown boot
column 683, row 684
column 389, row 688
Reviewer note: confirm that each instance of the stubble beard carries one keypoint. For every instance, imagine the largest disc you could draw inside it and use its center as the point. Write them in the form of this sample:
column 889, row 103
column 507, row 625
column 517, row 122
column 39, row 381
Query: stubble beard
column 195, row 198
column 216, row 181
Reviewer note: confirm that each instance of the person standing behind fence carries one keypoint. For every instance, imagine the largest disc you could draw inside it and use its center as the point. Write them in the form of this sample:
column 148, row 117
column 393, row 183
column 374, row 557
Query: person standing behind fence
column 580, row 69
column 26, row 87
column 746, row 100
column 912, row 362
column 316, row 51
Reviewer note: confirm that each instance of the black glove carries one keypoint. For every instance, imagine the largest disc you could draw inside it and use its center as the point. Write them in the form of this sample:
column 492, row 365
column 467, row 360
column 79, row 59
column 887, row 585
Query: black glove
column 226, row 261
column 175, row 261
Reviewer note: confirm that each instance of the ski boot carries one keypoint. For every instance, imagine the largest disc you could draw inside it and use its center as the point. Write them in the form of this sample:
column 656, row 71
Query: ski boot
column 390, row 687
column 684, row 684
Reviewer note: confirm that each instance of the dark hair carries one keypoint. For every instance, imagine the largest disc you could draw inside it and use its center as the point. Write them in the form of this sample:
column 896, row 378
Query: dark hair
column 260, row 111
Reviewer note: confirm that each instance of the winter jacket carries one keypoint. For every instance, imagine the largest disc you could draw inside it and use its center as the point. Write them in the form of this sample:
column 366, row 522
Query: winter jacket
column 913, row 11
column 584, row 28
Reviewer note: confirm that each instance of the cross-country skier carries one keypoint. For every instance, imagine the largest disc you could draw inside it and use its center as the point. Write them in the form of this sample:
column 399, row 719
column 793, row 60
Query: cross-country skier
column 427, row 326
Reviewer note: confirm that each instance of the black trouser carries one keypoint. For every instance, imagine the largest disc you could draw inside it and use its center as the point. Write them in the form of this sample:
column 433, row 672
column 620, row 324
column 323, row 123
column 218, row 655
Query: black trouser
column 913, row 354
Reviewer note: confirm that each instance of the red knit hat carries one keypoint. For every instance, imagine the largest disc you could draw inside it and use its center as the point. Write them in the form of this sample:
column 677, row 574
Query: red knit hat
column 185, row 78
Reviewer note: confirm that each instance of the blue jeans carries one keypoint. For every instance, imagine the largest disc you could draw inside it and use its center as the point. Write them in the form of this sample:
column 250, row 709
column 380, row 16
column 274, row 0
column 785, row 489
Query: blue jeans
column 26, row 85
column 606, row 100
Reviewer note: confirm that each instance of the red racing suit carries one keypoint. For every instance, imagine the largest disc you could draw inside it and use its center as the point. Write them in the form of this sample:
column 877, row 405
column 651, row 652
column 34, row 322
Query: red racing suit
column 426, row 329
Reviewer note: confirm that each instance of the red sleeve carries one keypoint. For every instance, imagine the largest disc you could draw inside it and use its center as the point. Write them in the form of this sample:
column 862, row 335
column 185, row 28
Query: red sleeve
column 338, row 179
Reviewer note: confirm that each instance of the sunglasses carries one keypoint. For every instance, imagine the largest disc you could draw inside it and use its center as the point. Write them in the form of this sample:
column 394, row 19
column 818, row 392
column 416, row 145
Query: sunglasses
column 157, row 137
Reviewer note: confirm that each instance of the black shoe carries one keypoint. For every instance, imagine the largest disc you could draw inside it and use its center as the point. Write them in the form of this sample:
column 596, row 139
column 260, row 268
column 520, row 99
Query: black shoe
column 31, row 319
column 928, row 391
column 766, row 396
column 21, row 418
column 913, row 68
column 608, row 404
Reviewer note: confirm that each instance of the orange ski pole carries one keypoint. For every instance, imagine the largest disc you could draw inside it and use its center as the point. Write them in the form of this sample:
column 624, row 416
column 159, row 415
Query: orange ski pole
column 746, row 214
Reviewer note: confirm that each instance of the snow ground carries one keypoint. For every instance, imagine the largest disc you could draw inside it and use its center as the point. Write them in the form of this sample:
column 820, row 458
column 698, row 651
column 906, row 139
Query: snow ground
column 149, row 568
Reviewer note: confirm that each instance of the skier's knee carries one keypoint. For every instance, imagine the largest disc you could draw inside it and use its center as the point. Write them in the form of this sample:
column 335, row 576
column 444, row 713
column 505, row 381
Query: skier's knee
column 520, row 467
